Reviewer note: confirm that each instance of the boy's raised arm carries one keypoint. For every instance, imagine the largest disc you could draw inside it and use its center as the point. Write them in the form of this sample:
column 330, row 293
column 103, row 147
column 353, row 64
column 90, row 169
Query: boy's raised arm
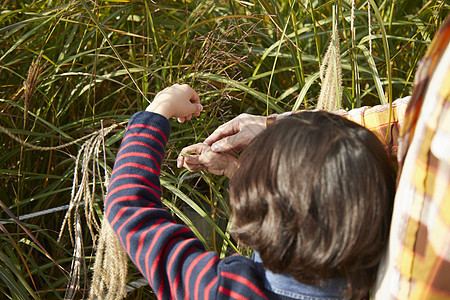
column 168, row 254
column 163, row 250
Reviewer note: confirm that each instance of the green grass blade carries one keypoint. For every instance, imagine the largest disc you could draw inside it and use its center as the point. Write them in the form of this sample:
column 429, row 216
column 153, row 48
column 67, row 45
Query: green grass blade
column 387, row 55
column 375, row 75
column 105, row 36
column 301, row 97
column 23, row 290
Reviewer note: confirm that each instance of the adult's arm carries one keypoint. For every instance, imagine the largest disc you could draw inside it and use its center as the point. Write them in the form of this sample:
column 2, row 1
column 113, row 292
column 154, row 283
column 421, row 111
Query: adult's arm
column 236, row 134
column 239, row 132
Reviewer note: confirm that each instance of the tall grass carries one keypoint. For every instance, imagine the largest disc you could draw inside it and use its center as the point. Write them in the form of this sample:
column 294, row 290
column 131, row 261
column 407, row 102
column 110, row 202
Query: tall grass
column 67, row 67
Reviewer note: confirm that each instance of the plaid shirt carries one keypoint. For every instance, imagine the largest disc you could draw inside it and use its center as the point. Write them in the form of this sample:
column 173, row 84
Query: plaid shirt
column 383, row 121
column 417, row 265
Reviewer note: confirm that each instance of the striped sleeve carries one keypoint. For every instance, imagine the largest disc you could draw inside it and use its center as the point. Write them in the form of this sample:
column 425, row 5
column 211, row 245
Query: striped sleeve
column 169, row 255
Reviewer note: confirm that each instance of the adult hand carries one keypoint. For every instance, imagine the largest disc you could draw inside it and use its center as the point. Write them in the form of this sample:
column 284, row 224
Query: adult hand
column 236, row 134
column 200, row 157
column 177, row 101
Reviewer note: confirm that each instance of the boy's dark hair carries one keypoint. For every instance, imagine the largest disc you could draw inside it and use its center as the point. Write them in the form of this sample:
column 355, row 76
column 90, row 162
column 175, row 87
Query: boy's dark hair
column 313, row 195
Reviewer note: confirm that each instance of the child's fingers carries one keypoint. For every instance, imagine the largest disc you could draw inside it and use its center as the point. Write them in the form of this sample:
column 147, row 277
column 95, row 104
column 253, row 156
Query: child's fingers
column 193, row 109
column 185, row 114
column 194, row 96
column 199, row 110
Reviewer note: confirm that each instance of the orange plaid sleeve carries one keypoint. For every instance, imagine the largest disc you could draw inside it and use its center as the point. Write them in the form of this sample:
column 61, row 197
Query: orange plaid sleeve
column 382, row 120
column 417, row 265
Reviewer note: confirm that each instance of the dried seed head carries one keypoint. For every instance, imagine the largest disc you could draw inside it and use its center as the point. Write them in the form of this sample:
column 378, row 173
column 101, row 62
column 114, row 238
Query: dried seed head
column 30, row 84
column 110, row 267
column 331, row 76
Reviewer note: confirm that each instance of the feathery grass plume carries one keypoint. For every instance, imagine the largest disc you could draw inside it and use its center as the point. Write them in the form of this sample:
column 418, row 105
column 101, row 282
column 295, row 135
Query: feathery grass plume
column 331, row 76
column 77, row 261
column 114, row 250
column 81, row 191
column 30, row 84
column 110, row 267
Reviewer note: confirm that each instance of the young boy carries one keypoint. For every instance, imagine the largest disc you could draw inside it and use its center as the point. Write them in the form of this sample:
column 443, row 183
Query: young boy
column 317, row 233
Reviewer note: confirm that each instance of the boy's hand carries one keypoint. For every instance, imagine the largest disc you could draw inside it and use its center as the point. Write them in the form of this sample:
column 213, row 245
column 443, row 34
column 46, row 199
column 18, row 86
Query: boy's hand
column 201, row 157
column 177, row 101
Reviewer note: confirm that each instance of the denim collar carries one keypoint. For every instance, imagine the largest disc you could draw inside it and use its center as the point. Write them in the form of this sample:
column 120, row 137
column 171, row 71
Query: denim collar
column 285, row 285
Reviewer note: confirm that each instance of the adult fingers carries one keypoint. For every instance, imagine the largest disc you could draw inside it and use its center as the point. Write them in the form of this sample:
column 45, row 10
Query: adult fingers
column 193, row 168
column 223, row 131
column 231, row 143
column 180, row 161
column 188, row 164
column 192, row 149
column 193, row 160
column 234, row 151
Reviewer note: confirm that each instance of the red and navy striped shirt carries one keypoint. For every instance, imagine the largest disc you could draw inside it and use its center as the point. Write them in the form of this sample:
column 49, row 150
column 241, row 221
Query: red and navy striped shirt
column 171, row 258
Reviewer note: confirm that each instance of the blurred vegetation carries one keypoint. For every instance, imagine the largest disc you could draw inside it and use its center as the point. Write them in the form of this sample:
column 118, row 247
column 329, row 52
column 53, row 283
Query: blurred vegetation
column 67, row 68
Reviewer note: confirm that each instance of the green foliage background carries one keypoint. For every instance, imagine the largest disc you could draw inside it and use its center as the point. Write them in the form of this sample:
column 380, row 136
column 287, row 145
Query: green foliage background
column 100, row 61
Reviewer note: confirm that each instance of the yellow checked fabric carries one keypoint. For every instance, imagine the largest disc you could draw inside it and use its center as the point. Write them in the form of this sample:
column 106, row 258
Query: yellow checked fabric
column 417, row 265
column 377, row 120
column 385, row 122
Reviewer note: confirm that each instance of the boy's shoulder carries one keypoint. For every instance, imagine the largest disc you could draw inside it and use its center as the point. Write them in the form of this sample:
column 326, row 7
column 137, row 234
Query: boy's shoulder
column 239, row 275
column 241, row 266
column 237, row 259
column 243, row 276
